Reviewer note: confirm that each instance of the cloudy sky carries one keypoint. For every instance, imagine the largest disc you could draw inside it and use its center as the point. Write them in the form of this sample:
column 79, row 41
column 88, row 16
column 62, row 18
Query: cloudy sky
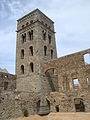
column 72, row 25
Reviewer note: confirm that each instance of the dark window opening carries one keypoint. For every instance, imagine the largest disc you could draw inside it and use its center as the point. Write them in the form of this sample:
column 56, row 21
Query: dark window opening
column 51, row 54
column 24, row 38
column 31, row 35
column 31, row 21
column 31, row 67
column 22, row 69
column 5, row 85
column 27, row 23
column 57, row 108
column 44, row 35
column 45, row 50
column 49, row 37
column 79, row 106
column 22, row 54
column 31, row 50
column 46, row 24
column 22, row 26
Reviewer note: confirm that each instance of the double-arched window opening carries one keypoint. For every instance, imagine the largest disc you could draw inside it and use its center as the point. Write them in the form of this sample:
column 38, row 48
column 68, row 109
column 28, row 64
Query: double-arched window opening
column 31, row 35
column 23, row 38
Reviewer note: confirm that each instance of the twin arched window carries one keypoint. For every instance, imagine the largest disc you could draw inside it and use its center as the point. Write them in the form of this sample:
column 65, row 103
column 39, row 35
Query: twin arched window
column 31, row 68
column 31, row 35
column 23, row 38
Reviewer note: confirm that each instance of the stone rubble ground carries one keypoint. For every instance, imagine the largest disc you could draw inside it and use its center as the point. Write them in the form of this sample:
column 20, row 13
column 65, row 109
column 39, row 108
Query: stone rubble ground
column 58, row 116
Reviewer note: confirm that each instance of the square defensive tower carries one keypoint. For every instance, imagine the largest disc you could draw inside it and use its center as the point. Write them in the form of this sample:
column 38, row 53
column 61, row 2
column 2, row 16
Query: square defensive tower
column 35, row 45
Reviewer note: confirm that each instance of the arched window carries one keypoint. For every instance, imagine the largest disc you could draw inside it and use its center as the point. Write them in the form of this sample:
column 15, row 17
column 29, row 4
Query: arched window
column 87, row 58
column 45, row 50
column 31, row 35
column 23, row 38
column 31, row 50
column 44, row 35
column 51, row 54
column 31, row 67
column 22, row 54
column 22, row 69
column 49, row 38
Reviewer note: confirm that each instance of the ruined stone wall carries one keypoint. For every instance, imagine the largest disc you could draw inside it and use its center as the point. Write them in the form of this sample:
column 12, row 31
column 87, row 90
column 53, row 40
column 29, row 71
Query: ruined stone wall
column 13, row 104
column 70, row 67
column 7, row 81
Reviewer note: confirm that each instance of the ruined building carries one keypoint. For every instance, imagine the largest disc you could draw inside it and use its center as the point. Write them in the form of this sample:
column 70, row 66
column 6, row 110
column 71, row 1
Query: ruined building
column 44, row 83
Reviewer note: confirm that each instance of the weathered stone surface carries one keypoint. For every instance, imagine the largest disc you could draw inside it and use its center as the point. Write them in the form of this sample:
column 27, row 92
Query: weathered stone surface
column 42, row 79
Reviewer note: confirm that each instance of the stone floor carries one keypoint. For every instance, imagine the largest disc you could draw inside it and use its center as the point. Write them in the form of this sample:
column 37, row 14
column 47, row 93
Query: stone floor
column 59, row 116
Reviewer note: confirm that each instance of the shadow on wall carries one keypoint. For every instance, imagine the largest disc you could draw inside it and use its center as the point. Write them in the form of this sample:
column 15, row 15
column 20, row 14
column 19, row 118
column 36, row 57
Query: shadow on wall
column 52, row 78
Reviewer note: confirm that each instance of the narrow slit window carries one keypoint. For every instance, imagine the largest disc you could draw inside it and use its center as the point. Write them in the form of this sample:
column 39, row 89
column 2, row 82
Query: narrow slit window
column 31, row 67
column 22, row 69
column 44, row 35
column 51, row 54
column 45, row 50
column 22, row 54
column 31, row 50
column 49, row 37
column 22, row 39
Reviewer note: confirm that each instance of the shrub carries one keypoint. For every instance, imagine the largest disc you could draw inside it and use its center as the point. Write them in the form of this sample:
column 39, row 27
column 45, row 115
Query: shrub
column 25, row 112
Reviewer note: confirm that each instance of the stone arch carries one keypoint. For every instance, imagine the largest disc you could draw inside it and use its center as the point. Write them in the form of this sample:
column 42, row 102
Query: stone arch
column 52, row 78
column 79, row 105
column 43, row 107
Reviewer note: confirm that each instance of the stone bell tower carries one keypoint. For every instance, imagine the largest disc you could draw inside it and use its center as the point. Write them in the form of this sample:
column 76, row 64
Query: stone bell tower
column 35, row 45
